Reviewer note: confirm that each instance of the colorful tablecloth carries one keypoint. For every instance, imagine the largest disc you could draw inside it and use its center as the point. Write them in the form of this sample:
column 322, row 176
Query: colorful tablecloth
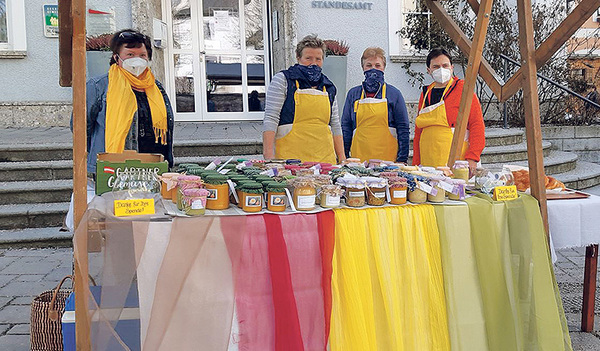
column 471, row 277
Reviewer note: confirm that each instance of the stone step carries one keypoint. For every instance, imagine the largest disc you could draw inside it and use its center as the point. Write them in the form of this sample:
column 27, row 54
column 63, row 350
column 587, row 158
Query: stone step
column 585, row 175
column 501, row 136
column 21, row 216
column 32, row 236
column 509, row 153
column 182, row 148
column 36, row 170
column 556, row 162
column 44, row 191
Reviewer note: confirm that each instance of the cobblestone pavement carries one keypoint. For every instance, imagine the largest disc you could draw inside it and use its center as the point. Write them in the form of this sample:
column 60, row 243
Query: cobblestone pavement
column 25, row 273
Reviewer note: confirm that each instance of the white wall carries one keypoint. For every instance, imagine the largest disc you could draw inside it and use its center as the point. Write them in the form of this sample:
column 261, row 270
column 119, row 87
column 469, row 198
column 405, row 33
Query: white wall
column 360, row 29
column 35, row 78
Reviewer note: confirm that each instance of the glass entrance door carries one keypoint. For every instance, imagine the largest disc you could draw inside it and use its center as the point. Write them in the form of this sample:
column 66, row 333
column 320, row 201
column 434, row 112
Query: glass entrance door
column 218, row 66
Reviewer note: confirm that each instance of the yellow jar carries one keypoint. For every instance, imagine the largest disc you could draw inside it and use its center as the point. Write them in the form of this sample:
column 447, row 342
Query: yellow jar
column 304, row 197
column 461, row 170
column 276, row 196
column 218, row 197
column 417, row 196
column 440, row 196
column 168, row 185
column 252, row 197
column 460, row 183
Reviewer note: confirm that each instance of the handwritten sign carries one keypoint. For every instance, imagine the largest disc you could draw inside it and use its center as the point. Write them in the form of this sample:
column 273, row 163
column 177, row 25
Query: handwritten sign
column 134, row 207
column 505, row 193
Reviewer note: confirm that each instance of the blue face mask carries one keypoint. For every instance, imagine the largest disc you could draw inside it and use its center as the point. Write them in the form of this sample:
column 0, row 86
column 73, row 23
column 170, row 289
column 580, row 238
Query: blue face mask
column 373, row 80
column 312, row 73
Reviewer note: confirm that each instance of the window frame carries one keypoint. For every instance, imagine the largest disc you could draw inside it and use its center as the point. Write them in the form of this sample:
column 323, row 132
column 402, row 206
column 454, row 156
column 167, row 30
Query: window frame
column 396, row 21
column 16, row 30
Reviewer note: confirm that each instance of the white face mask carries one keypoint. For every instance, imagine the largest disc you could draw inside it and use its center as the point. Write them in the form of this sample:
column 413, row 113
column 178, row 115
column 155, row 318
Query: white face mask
column 135, row 65
column 442, row 75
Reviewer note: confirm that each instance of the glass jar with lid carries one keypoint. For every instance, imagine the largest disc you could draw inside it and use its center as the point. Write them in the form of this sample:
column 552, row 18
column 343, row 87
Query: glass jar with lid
column 376, row 190
column 276, row 196
column 218, row 191
column 461, row 170
column 251, row 196
column 305, row 193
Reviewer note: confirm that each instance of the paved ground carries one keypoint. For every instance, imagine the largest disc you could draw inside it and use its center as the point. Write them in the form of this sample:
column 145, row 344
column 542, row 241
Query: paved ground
column 25, row 273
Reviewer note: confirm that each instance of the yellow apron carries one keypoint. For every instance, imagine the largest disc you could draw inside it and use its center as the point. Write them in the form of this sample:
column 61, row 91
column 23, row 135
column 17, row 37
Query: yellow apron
column 373, row 139
column 436, row 134
column 310, row 137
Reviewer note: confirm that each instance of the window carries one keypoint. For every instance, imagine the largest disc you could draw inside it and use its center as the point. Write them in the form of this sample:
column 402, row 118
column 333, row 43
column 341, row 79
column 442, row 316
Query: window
column 13, row 42
column 401, row 12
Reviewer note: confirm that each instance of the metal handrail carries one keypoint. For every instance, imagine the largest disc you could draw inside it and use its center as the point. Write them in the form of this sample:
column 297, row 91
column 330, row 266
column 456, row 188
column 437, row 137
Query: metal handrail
column 515, row 62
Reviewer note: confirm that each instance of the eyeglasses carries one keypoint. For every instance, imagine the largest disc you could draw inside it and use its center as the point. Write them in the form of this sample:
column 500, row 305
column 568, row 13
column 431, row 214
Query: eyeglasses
column 132, row 35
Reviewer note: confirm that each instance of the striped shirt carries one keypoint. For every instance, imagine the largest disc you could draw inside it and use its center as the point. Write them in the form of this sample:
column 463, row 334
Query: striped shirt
column 276, row 95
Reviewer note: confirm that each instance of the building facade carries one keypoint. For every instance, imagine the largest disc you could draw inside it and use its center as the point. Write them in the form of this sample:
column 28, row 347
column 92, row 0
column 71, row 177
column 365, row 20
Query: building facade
column 215, row 57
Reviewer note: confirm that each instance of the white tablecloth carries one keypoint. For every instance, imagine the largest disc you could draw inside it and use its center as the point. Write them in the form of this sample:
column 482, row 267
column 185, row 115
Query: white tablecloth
column 574, row 222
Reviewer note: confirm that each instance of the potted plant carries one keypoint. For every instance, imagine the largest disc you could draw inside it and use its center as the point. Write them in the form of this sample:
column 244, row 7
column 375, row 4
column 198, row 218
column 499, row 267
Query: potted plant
column 335, row 65
column 98, row 54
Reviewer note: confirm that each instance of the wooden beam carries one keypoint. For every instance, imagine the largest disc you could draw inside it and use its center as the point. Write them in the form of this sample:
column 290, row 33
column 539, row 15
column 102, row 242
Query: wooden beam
column 464, row 44
column 533, row 129
column 475, row 58
column 65, row 43
column 82, row 326
column 553, row 43
column 589, row 288
column 474, row 5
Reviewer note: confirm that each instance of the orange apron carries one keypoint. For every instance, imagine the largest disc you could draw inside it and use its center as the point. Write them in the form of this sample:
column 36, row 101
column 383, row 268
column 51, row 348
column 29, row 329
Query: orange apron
column 436, row 134
column 373, row 138
column 310, row 137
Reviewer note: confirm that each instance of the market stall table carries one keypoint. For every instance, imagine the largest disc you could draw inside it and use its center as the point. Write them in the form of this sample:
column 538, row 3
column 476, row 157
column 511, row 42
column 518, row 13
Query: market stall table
column 476, row 275
column 576, row 223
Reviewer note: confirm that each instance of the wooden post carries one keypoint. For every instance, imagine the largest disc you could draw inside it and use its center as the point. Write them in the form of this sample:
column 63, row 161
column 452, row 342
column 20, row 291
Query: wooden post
column 533, row 129
column 589, row 288
column 82, row 327
column 460, row 128
column 65, row 43
column 552, row 44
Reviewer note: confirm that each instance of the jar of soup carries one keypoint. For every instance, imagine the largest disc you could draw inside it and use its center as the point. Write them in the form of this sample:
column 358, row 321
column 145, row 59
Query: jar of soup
column 186, row 182
column 194, row 201
column 218, row 192
column 251, row 196
column 398, row 190
column 168, row 185
column 376, row 190
column 459, row 187
column 461, row 170
column 276, row 196
column 305, row 193
column 440, row 193
column 330, row 196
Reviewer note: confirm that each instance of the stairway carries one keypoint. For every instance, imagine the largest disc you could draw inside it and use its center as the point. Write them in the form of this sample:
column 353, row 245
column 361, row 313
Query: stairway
column 35, row 179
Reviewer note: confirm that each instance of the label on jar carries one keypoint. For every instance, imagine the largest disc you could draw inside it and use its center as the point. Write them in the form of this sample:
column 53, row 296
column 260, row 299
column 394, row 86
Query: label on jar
column 399, row 193
column 306, row 201
column 197, row 205
column 427, row 188
column 356, row 193
column 378, row 194
column 278, row 200
column 254, row 200
column 213, row 194
column 332, row 201
column 446, row 186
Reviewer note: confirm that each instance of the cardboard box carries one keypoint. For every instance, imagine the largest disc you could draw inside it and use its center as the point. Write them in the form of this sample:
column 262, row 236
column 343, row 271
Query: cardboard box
column 110, row 165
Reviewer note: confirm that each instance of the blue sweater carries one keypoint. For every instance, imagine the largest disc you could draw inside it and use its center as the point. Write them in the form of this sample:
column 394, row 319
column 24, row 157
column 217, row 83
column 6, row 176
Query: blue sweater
column 397, row 118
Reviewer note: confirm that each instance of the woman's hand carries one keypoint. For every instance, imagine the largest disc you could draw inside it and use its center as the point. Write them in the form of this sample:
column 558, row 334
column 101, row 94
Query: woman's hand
column 472, row 167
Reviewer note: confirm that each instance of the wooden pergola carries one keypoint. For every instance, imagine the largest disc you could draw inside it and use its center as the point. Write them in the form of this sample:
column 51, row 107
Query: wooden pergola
column 72, row 37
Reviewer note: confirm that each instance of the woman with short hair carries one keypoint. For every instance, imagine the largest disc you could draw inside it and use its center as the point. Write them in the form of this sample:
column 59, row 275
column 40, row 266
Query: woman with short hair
column 301, row 112
column 375, row 121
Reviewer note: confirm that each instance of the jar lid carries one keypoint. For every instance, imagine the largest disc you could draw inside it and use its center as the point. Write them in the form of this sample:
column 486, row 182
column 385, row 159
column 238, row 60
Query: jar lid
column 169, row 175
column 374, row 182
column 188, row 178
column 195, row 192
column 216, row 177
column 275, row 186
column 461, row 164
column 293, row 161
column 251, row 185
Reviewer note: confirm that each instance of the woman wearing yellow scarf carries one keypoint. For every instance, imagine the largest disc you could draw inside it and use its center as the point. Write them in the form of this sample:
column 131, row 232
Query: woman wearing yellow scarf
column 128, row 108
